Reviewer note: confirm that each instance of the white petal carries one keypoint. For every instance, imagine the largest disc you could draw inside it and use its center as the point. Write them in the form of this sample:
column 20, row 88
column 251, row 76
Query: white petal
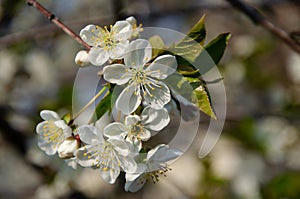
column 162, row 153
column 49, row 115
column 145, row 135
column 131, row 20
column 61, row 124
column 82, row 158
column 66, row 129
column 115, row 129
column 155, row 119
column 72, row 162
column 132, row 119
column 90, row 134
column 89, row 33
column 50, row 148
column 110, row 175
column 152, row 152
column 104, row 121
column 98, row 56
column 138, row 53
column 120, row 146
column 163, row 66
column 40, row 127
column 119, row 50
column 139, row 169
column 122, row 30
column 116, row 74
column 134, row 186
column 128, row 101
column 160, row 96
column 135, row 146
column 128, row 164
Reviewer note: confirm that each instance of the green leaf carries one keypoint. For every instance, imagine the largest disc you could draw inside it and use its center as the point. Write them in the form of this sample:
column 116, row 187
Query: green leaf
column 157, row 44
column 188, row 49
column 103, row 106
column 186, row 69
column 217, row 46
column 188, row 72
column 179, row 86
column 195, row 82
column 213, row 53
column 67, row 117
column 202, row 101
column 198, row 32
column 190, row 46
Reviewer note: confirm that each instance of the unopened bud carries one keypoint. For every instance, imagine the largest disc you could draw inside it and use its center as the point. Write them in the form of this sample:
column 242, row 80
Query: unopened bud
column 68, row 147
column 82, row 59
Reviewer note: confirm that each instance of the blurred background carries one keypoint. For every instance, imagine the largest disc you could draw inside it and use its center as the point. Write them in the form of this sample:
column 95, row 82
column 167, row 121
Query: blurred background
column 258, row 153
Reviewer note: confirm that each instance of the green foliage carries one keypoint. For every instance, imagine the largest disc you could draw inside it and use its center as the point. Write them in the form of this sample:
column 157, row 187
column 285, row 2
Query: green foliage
column 67, row 117
column 285, row 185
column 104, row 105
column 180, row 86
column 203, row 102
column 187, row 48
column 217, row 46
column 198, row 32
column 190, row 46
column 213, row 53
column 157, row 44
column 195, row 59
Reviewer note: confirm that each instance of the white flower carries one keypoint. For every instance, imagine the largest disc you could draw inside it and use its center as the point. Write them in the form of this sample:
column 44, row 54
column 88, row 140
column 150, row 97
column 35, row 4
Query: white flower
column 142, row 80
column 108, row 155
column 106, row 43
column 153, row 166
column 82, row 58
column 68, row 147
column 135, row 29
column 137, row 128
column 71, row 162
column 52, row 132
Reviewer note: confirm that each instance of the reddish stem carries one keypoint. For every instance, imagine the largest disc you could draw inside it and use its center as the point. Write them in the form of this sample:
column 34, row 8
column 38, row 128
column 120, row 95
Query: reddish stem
column 57, row 22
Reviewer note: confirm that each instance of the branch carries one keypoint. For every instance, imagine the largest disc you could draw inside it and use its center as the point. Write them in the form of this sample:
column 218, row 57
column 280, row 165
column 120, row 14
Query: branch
column 57, row 22
column 49, row 30
column 259, row 19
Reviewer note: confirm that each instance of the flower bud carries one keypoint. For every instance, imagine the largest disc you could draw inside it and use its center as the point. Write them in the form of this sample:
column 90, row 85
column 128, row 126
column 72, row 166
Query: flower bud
column 82, row 59
column 68, row 147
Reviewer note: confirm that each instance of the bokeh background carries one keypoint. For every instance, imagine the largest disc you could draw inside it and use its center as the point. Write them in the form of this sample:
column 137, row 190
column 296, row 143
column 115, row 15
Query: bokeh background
column 258, row 153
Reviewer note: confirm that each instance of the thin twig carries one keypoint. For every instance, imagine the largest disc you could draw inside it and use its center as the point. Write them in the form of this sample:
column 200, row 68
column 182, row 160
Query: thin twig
column 49, row 30
column 57, row 22
column 90, row 102
column 260, row 19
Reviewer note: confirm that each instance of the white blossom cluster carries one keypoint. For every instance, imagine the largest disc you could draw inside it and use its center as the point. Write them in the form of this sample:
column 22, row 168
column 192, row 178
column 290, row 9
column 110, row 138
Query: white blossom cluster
column 118, row 147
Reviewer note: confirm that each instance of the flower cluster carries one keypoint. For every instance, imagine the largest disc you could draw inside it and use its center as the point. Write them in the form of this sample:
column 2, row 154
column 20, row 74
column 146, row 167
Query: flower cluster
column 118, row 146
